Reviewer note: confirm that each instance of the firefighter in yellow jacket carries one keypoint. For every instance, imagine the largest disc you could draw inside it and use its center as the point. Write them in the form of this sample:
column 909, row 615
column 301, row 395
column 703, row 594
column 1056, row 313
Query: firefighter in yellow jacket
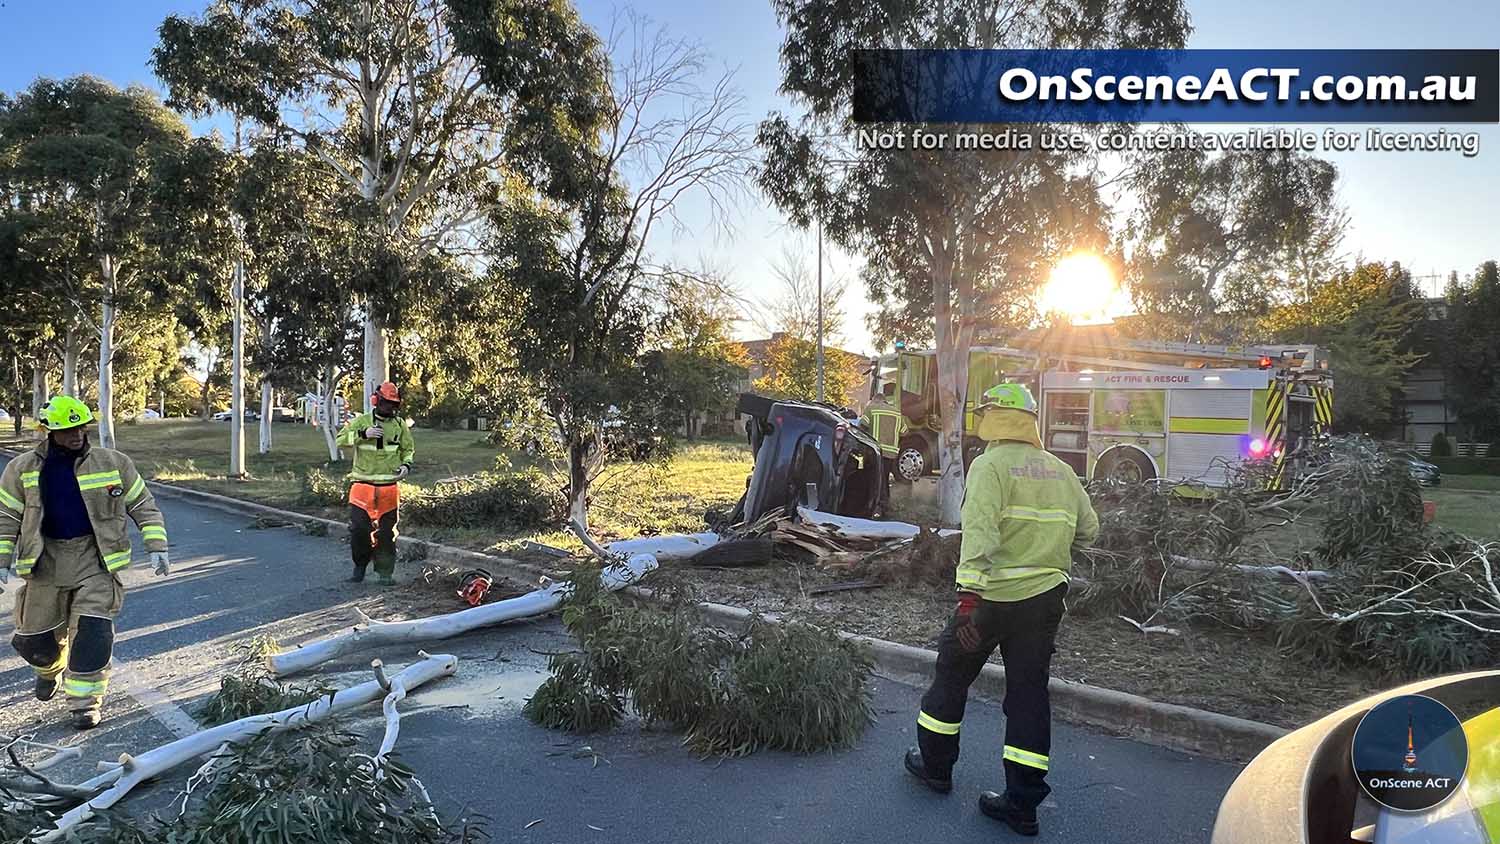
column 383, row 450
column 63, row 508
column 1023, row 512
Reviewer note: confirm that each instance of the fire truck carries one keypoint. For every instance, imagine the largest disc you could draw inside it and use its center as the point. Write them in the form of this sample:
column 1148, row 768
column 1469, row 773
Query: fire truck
column 1131, row 410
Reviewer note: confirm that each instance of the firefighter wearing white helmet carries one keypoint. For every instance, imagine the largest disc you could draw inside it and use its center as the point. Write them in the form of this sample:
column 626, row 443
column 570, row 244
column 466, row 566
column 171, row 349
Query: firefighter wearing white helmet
column 1024, row 510
column 63, row 509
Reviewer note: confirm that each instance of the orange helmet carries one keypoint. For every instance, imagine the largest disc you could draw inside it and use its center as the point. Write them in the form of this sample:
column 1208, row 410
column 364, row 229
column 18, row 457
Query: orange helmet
column 388, row 392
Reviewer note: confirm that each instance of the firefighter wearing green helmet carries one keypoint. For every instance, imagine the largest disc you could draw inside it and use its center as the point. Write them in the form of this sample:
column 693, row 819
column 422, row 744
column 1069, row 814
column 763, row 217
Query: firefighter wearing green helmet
column 1024, row 510
column 63, row 509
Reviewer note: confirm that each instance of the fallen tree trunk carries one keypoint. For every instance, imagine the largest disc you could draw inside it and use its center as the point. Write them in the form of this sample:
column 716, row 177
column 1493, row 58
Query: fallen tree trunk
column 153, row 763
column 1284, row 572
column 863, row 528
column 370, row 633
column 677, row 546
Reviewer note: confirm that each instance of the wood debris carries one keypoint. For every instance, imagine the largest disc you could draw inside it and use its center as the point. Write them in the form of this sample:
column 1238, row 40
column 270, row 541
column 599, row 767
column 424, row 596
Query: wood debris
column 883, row 552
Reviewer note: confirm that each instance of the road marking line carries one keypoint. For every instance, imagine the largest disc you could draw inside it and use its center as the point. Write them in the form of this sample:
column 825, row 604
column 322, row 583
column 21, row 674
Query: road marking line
column 161, row 707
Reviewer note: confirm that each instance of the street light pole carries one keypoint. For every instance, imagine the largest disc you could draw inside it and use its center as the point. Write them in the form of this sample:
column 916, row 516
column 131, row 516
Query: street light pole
column 820, row 309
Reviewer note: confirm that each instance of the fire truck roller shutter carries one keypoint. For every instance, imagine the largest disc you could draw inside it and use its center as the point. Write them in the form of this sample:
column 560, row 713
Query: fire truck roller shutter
column 1209, row 429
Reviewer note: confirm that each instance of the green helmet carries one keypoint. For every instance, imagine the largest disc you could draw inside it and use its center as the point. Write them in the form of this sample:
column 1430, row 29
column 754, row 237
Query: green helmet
column 1013, row 396
column 64, row 412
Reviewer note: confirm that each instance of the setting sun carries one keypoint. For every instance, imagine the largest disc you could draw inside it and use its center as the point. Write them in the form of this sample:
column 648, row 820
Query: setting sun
column 1083, row 288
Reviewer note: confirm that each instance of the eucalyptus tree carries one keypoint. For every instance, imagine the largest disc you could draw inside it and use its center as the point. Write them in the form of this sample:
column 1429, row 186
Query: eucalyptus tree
column 424, row 112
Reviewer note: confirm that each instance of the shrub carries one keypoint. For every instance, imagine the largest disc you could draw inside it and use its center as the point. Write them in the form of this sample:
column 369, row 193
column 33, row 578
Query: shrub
column 1470, row 465
column 573, row 699
column 308, row 785
column 320, row 489
column 762, row 699
column 251, row 690
column 512, row 501
column 1441, row 446
column 791, row 686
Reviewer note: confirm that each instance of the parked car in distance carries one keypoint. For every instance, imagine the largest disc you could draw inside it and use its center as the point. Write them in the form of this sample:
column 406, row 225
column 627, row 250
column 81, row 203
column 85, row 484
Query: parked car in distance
column 224, row 415
column 283, row 414
column 1423, row 472
column 4, row 414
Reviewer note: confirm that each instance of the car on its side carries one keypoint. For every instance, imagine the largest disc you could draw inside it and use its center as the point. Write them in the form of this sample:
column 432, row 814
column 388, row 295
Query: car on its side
column 809, row 455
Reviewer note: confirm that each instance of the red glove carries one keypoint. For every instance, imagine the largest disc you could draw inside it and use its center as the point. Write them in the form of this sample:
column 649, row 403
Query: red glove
column 968, row 633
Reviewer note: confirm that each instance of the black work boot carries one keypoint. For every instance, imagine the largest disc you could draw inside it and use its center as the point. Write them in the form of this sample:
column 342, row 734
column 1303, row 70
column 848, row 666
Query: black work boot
column 917, row 768
column 85, row 719
column 359, row 574
column 999, row 807
column 46, row 687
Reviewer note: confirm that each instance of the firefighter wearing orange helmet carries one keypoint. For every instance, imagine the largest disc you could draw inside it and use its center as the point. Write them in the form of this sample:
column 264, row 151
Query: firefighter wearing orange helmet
column 383, row 450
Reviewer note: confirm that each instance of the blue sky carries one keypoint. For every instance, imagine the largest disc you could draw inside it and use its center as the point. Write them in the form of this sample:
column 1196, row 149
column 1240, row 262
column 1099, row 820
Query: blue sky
column 1434, row 212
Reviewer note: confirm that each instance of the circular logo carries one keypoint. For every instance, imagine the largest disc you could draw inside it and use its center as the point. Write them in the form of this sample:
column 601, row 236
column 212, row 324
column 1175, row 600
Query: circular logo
column 1410, row 753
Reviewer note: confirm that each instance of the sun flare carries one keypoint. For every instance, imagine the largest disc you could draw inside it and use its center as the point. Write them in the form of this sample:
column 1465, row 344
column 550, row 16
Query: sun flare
column 1082, row 288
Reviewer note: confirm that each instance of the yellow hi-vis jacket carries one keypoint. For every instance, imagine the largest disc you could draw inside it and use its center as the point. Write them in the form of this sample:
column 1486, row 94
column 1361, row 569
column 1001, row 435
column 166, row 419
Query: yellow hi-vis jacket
column 1024, row 510
column 112, row 491
column 376, row 461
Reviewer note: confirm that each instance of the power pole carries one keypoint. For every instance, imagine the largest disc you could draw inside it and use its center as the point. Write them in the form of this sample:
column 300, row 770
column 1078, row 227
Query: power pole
column 820, row 309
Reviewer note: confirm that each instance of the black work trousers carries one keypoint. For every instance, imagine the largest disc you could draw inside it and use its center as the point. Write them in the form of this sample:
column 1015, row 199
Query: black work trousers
column 1025, row 632
column 373, row 540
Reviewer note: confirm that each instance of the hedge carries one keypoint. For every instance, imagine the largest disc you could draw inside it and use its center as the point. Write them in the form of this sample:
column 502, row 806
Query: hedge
column 1467, row 465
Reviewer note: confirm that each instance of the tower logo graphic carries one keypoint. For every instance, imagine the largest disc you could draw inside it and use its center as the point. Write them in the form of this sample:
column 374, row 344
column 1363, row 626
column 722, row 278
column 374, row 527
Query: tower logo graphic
column 1409, row 753
column 1409, row 761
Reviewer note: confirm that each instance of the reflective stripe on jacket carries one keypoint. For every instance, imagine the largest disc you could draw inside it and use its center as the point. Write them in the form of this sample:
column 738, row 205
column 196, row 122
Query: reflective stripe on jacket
column 112, row 491
column 884, row 424
column 376, row 461
column 1024, row 510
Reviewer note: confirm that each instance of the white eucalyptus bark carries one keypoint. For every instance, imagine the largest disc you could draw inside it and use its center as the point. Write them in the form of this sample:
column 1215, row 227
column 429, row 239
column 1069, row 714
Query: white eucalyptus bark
column 237, row 373
column 856, row 528
column 71, row 345
column 154, row 763
column 377, row 360
column 106, row 412
column 368, row 633
column 331, row 414
column 39, row 388
column 670, row 547
column 267, row 404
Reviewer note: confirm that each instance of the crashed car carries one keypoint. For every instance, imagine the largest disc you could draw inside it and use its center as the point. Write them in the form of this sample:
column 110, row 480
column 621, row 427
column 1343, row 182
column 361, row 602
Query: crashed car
column 809, row 455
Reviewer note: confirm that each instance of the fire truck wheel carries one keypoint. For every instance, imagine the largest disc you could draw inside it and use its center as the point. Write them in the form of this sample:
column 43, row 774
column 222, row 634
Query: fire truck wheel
column 1125, row 466
column 911, row 463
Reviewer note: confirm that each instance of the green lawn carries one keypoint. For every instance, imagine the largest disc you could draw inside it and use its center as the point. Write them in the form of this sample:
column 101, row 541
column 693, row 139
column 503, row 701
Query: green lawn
column 1481, row 482
column 196, row 453
column 627, row 500
column 1473, row 512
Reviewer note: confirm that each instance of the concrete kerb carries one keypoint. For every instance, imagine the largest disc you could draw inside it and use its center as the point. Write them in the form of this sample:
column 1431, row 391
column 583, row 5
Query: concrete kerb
column 1180, row 728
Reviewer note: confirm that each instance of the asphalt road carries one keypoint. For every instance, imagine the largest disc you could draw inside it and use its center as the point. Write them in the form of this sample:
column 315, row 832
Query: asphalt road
column 468, row 742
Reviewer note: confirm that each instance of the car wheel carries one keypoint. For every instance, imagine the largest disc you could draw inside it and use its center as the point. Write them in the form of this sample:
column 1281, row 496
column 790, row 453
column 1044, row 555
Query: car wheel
column 911, row 463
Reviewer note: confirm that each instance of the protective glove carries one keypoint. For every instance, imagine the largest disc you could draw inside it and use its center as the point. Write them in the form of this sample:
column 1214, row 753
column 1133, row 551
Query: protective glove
column 968, row 633
column 374, row 432
column 160, row 564
column 402, row 471
column 4, row 574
